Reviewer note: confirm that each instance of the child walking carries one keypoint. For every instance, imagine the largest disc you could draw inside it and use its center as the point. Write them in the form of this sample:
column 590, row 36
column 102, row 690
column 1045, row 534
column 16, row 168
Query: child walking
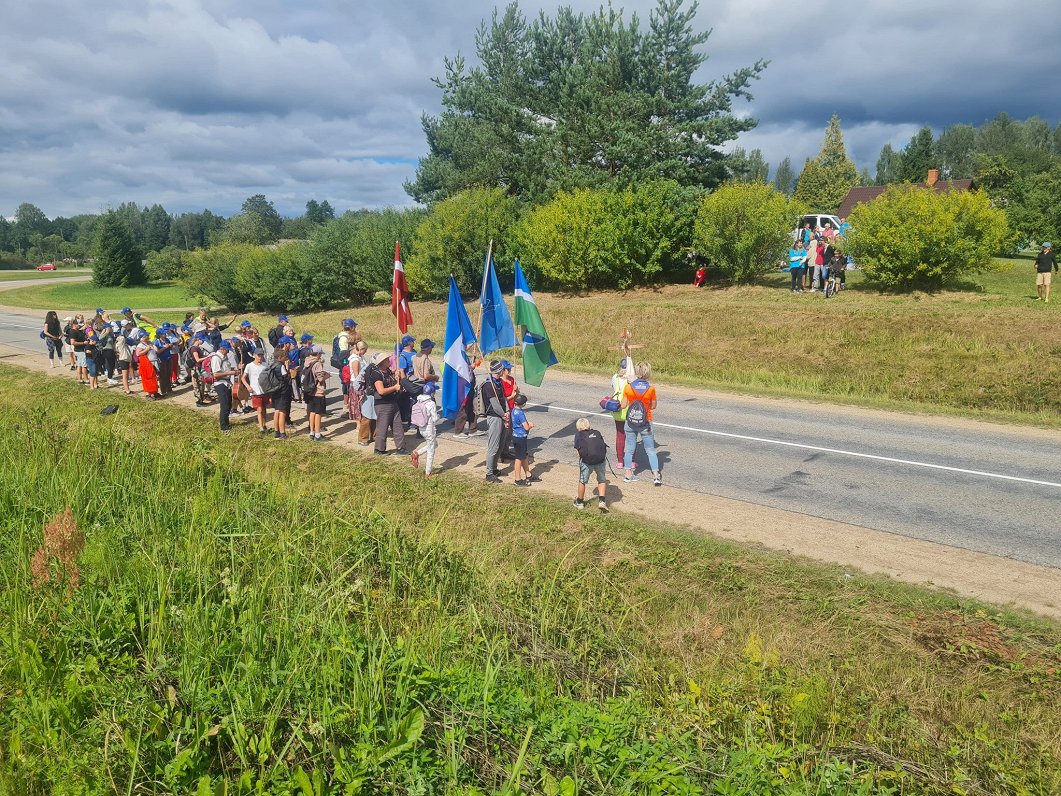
column 425, row 410
column 592, row 454
column 520, row 428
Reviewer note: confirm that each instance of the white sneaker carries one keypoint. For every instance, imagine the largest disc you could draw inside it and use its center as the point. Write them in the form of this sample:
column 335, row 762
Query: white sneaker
column 112, row 382
column 460, row 436
column 477, row 433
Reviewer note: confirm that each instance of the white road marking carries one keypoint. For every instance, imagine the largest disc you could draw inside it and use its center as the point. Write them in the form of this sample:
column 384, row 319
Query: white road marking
column 838, row 451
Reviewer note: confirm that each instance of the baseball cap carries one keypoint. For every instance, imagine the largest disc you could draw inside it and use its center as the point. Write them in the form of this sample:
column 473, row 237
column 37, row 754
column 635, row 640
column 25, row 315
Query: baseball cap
column 100, row 310
column 306, row 337
column 125, row 310
column 349, row 323
column 287, row 340
column 430, row 388
column 200, row 335
column 245, row 324
column 225, row 344
column 426, row 343
column 1046, row 244
column 282, row 318
column 506, row 364
column 316, row 349
column 408, row 339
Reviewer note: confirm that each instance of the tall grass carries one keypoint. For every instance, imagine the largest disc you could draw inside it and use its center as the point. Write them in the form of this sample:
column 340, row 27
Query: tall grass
column 248, row 620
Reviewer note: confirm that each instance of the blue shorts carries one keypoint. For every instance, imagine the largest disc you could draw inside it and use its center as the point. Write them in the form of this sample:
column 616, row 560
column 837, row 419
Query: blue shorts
column 519, row 447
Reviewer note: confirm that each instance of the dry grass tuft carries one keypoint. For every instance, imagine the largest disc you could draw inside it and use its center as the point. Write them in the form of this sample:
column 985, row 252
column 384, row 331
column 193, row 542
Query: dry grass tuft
column 56, row 559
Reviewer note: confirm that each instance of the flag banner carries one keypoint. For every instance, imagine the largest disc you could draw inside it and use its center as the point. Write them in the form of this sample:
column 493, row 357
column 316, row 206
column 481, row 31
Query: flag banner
column 456, row 370
column 497, row 331
column 400, row 293
column 537, row 352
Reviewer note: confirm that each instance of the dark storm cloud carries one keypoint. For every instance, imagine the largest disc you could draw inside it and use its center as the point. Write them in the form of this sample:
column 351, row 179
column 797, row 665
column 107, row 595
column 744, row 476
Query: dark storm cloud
column 200, row 103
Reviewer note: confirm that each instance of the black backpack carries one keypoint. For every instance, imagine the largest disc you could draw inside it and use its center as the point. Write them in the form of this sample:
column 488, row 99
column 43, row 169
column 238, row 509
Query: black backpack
column 593, row 450
column 274, row 336
column 637, row 414
column 339, row 359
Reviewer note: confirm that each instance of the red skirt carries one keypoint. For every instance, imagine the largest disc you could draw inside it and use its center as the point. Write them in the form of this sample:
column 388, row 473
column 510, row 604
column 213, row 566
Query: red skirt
column 147, row 376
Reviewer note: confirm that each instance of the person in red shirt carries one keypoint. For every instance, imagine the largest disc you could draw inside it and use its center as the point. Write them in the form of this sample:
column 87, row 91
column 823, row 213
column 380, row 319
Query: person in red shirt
column 701, row 277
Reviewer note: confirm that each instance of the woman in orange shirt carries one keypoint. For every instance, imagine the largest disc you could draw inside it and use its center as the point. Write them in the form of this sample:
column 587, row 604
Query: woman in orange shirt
column 639, row 400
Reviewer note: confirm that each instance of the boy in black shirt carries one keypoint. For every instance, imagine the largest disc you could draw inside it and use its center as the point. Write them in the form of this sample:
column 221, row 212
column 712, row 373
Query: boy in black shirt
column 1044, row 262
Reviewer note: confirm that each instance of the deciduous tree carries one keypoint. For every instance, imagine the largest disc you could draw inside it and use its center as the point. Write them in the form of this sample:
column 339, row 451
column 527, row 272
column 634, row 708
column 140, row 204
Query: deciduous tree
column 263, row 210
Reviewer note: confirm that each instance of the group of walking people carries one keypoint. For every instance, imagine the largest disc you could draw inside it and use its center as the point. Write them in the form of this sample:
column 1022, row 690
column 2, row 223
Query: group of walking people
column 391, row 394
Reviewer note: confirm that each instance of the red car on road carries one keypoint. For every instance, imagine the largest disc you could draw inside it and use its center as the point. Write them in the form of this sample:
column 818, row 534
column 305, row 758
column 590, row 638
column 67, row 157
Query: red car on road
column 47, row 267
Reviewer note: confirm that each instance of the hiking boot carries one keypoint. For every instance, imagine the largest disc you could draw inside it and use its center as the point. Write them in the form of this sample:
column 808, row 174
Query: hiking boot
column 579, row 504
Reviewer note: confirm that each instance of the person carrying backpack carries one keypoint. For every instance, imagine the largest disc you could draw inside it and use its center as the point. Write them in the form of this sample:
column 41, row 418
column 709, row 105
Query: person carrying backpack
column 425, row 416
column 639, row 400
column 592, row 455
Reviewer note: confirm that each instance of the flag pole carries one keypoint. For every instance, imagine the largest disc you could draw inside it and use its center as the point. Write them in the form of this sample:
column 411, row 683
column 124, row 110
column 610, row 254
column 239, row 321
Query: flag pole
column 517, row 337
column 482, row 291
column 397, row 321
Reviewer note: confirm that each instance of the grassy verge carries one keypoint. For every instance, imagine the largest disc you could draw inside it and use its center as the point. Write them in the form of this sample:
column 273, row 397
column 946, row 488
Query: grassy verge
column 85, row 297
column 987, row 350
column 278, row 618
column 14, row 276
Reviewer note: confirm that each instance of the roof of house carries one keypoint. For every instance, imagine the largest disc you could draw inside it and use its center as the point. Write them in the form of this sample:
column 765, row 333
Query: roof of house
column 867, row 193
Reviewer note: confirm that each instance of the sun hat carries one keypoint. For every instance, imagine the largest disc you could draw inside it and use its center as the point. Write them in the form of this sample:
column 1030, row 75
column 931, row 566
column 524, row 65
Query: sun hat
column 349, row 323
column 380, row 358
column 408, row 340
column 426, row 343
column 306, row 337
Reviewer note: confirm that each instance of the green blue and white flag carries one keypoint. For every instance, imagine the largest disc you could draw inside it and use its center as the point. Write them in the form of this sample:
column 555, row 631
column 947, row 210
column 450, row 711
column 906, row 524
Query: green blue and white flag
column 537, row 352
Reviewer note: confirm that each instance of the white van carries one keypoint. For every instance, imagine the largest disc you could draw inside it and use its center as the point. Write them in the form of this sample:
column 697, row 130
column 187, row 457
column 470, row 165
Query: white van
column 817, row 220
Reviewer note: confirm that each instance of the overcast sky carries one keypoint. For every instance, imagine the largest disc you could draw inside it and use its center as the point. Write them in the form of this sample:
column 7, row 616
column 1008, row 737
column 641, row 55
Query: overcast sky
column 201, row 103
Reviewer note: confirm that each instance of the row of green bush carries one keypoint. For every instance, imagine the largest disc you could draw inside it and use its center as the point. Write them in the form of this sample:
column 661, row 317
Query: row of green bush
column 591, row 239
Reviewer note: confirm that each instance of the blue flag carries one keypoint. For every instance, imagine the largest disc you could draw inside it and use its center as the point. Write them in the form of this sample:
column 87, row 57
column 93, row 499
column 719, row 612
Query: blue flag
column 457, row 370
column 497, row 331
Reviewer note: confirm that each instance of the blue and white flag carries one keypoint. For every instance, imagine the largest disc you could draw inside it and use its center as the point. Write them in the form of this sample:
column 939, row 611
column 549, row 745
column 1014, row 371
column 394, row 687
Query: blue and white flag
column 457, row 370
column 497, row 331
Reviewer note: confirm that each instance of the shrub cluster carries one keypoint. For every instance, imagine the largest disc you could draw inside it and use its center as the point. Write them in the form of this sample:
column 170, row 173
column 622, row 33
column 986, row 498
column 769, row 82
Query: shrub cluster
column 910, row 238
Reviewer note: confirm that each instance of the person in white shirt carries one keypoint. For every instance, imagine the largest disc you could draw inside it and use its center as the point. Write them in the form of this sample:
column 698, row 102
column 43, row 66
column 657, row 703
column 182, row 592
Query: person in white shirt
column 259, row 400
column 429, row 411
column 224, row 368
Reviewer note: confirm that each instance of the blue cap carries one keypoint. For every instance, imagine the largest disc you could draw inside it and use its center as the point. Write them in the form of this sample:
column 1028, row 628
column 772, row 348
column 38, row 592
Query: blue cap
column 125, row 310
column 282, row 318
column 306, row 337
column 200, row 335
column 430, row 388
column 287, row 340
column 1046, row 244
column 100, row 310
column 506, row 364
column 426, row 343
column 245, row 324
column 408, row 340
column 225, row 344
column 349, row 323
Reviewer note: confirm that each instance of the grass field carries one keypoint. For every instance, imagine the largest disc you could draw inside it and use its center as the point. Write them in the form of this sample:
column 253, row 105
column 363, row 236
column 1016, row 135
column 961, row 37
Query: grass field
column 13, row 276
column 85, row 297
column 988, row 350
column 306, row 620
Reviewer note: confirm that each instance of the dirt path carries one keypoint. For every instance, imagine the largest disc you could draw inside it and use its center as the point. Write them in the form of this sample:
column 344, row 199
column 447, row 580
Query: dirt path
column 989, row 578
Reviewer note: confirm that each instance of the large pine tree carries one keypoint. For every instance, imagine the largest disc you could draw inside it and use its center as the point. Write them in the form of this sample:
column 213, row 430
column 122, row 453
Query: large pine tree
column 118, row 262
column 578, row 100
column 827, row 178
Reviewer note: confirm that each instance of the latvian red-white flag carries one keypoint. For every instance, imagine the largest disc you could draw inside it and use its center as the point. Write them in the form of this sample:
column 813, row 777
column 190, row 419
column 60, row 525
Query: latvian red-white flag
column 400, row 293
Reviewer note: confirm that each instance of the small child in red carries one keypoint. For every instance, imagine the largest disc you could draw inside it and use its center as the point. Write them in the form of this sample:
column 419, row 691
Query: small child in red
column 701, row 277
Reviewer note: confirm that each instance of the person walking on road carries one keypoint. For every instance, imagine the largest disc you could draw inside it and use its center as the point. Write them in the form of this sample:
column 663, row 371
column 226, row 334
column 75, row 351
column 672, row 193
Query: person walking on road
column 623, row 375
column 1045, row 261
column 592, row 456
column 493, row 394
column 53, row 338
column 639, row 399
column 225, row 369
column 428, row 430
column 146, row 357
column 381, row 380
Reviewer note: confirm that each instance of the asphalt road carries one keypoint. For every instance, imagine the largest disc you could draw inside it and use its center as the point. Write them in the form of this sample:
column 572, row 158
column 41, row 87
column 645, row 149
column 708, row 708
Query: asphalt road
column 991, row 489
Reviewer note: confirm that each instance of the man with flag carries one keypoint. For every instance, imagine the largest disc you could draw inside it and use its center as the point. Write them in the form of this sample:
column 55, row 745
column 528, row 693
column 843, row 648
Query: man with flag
column 458, row 376
column 537, row 352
